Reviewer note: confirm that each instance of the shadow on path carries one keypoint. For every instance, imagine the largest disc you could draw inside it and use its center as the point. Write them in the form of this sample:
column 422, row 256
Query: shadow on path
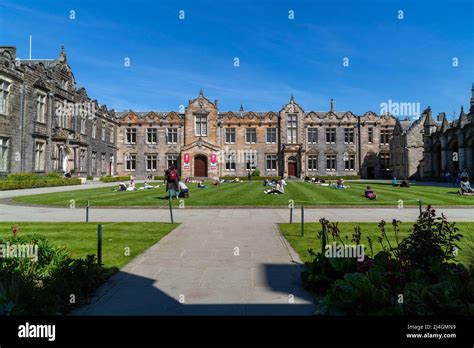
column 129, row 294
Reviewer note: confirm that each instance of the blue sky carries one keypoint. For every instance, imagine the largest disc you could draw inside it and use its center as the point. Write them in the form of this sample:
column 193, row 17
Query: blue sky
column 407, row 60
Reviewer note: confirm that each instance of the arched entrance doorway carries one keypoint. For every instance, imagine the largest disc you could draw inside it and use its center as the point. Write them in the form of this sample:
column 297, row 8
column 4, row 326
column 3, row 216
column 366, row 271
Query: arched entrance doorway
column 437, row 161
column 200, row 166
column 454, row 147
column 292, row 166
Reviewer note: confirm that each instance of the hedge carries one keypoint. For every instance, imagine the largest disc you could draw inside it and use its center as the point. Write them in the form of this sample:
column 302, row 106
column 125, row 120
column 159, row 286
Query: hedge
column 34, row 176
column 331, row 177
column 229, row 177
column 157, row 177
column 114, row 178
column 35, row 183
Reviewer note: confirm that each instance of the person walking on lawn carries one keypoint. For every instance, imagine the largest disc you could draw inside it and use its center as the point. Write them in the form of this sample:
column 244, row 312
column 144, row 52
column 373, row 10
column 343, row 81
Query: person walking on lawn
column 172, row 181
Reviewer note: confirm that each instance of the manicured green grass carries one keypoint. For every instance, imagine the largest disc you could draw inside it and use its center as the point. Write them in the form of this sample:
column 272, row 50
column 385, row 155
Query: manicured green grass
column 292, row 232
column 80, row 238
column 251, row 194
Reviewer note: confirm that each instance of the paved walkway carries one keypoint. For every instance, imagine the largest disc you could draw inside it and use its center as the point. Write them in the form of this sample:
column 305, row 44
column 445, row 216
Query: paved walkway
column 218, row 262
column 229, row 263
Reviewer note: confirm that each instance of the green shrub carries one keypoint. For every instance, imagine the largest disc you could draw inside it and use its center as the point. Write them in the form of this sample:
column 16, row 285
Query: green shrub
column 22, row 176
column 43, row 287
column 256, row 173
column 229, row 177
column 158, row 177
column 419, row 270
column 114, row 178
column 35, row 183
column 90, row 177
column 330, row 177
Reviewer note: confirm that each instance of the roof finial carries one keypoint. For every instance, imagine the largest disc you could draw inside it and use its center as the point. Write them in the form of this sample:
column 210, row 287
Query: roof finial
column 62, row 54
column 332, row 105
column 292, row 99
column 241, row 107
column 201, row 93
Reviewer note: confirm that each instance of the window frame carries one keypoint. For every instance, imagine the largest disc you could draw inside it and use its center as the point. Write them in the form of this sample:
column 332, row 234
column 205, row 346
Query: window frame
column 312, row 163
column 230, row 132
column 271, row 132
column 331, row 135
column 333, row 158
column 153, row 160
column 173, row 131
column 133, row 135
column 252, row 132
column 153, row 132
column 200, row 120
column 273, row 160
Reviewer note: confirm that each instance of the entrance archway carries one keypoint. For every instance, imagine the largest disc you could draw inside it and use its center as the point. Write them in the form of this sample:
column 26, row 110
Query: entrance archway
column 292, row 166
column 200, row 166
column 454, row 149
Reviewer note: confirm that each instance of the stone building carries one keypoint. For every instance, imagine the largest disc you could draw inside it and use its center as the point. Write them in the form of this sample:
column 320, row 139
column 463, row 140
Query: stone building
column 449, row 146
column 48, row 125
column 407, row 148
column 206, row 142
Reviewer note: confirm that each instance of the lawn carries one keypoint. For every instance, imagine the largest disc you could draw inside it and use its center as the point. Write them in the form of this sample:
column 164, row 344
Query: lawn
column 251, row 194
column 81, row 238
column 292, row 232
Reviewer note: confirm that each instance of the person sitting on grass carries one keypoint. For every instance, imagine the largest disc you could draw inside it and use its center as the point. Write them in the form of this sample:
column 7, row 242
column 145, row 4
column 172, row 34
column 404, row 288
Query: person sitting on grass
column 394, row 181
column 404, row 184
column 201, row 185
column 183, row 190
column 122, row 187
column 340, row 184
column 369, row 193
column 131, row 186
column 465, row 187
column 172, row 180
column 279, row 189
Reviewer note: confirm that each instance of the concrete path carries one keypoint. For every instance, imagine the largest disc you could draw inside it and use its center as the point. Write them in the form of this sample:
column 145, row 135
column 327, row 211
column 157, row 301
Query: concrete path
column 230, row 263
column 269, row 215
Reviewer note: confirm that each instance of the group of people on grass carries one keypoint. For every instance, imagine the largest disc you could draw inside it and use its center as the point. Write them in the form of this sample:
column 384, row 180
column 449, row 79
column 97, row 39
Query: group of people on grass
column 278, row 186
column 178, row 188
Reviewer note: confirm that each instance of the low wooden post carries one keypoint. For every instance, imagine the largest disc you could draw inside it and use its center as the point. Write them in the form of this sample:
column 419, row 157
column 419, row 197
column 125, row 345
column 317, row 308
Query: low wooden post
column 419, row 206
column 291, row 215
column 99, row 244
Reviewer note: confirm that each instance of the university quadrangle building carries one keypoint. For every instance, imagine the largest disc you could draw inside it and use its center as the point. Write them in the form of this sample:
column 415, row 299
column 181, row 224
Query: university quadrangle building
column 47, row 124
column 206, row 142
column 449, row 146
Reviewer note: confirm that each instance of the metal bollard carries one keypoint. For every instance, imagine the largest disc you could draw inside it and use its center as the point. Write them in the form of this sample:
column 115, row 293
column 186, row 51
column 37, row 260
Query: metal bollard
column 171, row 211
column 323, row 238
column 87, row 211
column 99, row 244
column 302, row 221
